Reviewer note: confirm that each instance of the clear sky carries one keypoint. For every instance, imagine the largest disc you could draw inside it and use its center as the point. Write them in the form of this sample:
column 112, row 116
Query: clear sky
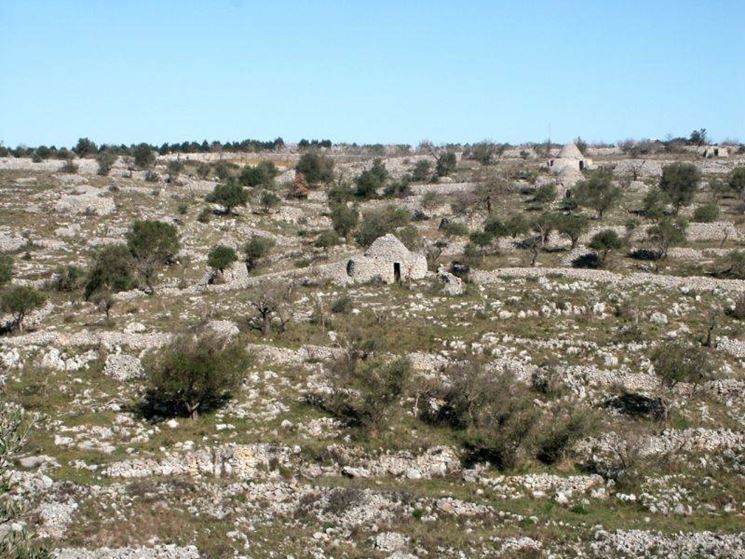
column 378, row 71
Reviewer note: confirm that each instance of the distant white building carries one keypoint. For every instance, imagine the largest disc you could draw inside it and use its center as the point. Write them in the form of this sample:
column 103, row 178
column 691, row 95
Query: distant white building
column 386, row 259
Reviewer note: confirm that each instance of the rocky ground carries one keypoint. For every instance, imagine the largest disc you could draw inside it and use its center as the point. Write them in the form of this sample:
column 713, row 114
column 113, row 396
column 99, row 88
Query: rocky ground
column 270, row 474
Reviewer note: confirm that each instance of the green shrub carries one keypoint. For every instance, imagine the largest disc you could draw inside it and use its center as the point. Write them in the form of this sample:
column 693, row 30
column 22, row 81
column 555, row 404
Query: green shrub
column 366, row 394
column 69, row 167
column 736, row 181
column 6, row 269
column 224, row 170
column 410, row 237
column 195, row 374
column 680, row 362
column 342, row 305
column 654, row 203
column 268, row 200
column 454, row 228
column 69, row 278
column 732, row 265
column 316, row 168
column 110, row 271
column 326, row 239
column 85, row 147
column 446, row 164
column 174, row 168
column 203, row 170
column 572, row 226
column 344, row 218
column 369, row 181
column 205, row 215
column 257, row 248
column 706, row 213
column 559, row 432
column 422, row 171
column 667, row 233
column 494, row 411
column 144, row 156
column 105, row 160
column 380, row 222
column 544, row 194
column 18, row 542
column 262, row 174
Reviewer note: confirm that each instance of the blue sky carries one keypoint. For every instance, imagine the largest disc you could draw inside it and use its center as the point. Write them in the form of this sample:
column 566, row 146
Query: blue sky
column 367, row 72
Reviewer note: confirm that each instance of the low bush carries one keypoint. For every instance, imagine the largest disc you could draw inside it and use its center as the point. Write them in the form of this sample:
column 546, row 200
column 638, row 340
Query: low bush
column 365, row 394
column 706, row 213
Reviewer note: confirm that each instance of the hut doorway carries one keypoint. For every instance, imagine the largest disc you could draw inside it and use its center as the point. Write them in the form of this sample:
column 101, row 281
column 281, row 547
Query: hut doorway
column 350, row 268
column 397, row 271
column 581, row 165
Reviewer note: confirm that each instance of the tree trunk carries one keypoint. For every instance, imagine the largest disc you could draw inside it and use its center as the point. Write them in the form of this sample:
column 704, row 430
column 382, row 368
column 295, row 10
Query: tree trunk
column 266, row 324
column 192, row 408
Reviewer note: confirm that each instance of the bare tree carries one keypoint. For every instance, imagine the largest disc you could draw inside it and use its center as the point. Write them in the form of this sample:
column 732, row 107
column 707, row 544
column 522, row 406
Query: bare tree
column 271, row 306
column 635, row 166
column 491, row 187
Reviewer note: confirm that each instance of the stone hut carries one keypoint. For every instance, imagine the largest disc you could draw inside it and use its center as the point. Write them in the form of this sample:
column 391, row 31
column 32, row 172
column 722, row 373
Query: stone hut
column 387, row 259
column 569, row 158
column 709, row 152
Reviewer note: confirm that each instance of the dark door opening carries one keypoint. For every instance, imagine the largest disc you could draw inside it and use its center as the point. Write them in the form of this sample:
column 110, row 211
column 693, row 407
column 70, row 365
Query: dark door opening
column 581, row 165
column 397, row 271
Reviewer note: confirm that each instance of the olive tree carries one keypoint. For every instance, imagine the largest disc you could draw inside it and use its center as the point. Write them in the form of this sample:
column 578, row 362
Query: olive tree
column 153, row 244
column 194, row 375
column 262, row 174
column 370, row 180
column 144, row 156
column 597, row 193
column 344, row 218
column 229, row 195
column 110, row 270
column 271, row 305
column 19, row 301
column 680, row 362
column 317, row 168
column 257, row 248
column 667, row 233
column 15, row 541
column 220, row 257
column 604, row 242
column 488, row 192
column 679, row 182
column 572, row 226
